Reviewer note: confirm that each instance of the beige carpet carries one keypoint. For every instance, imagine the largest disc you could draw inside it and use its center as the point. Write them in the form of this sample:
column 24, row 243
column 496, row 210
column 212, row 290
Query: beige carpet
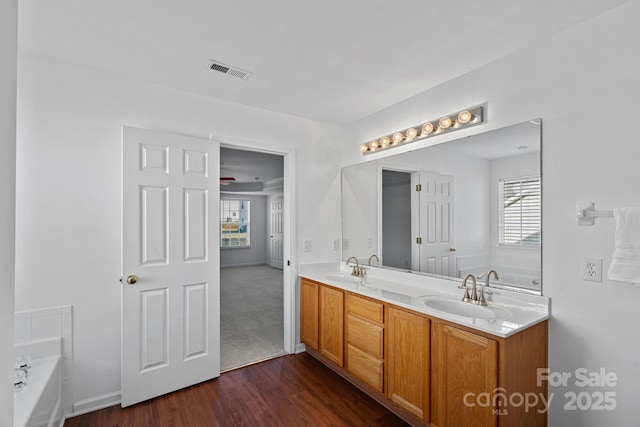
column 251, row 318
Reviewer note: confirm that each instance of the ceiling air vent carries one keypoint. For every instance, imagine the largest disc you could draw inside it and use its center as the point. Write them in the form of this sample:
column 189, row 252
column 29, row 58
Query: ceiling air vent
column 228, row 70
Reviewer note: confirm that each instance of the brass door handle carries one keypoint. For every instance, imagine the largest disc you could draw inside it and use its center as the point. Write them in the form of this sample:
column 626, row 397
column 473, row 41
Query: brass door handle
column 452, row 249
column 132, row 279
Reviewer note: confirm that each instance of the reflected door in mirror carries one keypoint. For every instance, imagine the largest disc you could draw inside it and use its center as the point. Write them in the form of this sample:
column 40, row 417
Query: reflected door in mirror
column 436, row 224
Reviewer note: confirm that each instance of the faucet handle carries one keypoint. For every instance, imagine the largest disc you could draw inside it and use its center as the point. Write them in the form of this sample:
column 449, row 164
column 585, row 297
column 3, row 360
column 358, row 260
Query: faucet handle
column 482, row 300
column 467, row 295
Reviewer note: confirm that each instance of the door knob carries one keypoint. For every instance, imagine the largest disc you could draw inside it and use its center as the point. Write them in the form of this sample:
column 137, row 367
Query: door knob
column 132, row 279
column 452, row 249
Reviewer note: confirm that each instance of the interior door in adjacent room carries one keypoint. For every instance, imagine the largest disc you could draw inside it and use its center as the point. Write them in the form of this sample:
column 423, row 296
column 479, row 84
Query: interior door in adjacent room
column 170, row 263
column 276, row 233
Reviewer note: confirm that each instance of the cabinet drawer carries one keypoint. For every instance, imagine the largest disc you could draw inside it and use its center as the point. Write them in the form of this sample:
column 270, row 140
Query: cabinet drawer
column 365, row 367
column 365, row 308
column 365, row 335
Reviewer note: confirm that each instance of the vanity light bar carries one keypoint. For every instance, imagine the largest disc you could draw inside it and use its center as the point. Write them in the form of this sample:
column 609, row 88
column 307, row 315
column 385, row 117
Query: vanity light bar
column 452, row 122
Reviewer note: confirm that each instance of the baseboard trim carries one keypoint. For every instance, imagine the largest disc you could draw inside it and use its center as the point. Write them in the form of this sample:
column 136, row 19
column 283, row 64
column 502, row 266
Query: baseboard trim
column 300, row 348
column 248, row 264
column 95, row 403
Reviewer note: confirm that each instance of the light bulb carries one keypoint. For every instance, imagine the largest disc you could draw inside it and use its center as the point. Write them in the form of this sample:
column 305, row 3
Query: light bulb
column 373, row 145
column 427, row 128
column 384, row 141
column 464, row 117
column 411, row 133
column 445, row 122
column 364, row 148
column 396, row 138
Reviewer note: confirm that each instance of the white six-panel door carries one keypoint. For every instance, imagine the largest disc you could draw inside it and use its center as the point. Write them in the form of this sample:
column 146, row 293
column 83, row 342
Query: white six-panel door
column 170, row 233
column 276, row 228
column 437, row 251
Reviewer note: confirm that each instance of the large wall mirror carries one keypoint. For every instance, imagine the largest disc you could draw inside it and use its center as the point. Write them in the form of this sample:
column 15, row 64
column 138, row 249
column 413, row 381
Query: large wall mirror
column 459, row 207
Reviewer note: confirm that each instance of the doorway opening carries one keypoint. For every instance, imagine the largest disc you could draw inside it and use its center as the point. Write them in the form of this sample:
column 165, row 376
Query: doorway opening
column 251, row 257
column 396, row 219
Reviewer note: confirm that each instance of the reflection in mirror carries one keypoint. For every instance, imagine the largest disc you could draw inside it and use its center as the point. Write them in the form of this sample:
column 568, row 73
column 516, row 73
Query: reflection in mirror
column 396, row 218
column 459, row 207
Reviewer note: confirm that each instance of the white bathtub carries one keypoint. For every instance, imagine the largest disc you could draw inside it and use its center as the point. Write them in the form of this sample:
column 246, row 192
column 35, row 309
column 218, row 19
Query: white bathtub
column 39, row 403
column 522, row 278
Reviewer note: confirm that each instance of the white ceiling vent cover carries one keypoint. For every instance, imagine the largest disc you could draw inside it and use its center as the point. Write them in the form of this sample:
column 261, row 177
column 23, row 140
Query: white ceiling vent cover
column 229, row 70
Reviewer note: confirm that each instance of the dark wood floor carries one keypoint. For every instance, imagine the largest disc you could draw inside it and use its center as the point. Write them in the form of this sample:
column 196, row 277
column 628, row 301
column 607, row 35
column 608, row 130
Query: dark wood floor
column 294, row 390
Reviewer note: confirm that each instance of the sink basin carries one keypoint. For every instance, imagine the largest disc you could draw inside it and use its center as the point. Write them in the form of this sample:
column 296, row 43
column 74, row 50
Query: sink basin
column 342, row 278
column 461, row 308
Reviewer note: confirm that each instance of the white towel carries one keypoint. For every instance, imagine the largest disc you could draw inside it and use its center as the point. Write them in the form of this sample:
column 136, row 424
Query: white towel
column 625, row 263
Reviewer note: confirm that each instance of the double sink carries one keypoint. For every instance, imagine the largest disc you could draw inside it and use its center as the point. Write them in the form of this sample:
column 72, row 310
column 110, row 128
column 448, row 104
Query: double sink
column 506, row 313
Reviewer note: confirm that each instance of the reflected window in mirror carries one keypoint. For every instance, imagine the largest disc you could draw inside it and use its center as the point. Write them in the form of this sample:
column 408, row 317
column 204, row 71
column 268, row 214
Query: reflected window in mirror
column 520, row 211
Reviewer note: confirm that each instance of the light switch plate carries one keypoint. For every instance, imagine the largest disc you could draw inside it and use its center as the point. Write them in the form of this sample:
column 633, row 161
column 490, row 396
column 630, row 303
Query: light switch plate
column 306, row 245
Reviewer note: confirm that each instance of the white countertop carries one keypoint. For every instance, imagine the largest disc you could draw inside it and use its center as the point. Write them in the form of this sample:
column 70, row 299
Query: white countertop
column 507, row 312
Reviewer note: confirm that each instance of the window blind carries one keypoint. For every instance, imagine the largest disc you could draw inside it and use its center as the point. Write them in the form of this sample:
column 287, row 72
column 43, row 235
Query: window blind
column 520, row 211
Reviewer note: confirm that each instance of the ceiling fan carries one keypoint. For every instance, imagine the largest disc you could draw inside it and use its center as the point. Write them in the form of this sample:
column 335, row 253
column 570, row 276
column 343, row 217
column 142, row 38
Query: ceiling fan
column 226, row 180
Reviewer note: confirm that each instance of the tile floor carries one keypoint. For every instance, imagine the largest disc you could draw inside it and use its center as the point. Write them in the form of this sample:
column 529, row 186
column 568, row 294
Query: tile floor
column 251, row 321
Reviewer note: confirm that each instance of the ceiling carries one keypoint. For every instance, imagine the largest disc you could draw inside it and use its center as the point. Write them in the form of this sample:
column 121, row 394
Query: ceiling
column 515, row 140
column 332, row 61
column 253, row 172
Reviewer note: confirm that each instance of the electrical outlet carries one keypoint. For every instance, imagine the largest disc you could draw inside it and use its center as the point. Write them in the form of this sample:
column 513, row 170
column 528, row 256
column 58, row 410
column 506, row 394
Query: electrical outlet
column 369, row 242
column 345, row 243
column 306, row 246
column 592, row 269
column 335, row 245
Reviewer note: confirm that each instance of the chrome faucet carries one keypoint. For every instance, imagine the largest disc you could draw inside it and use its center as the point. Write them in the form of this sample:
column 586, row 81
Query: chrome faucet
column 469, row 297
column 474, row 298
column 357, row 271
column 488, row 276
column 21, row 373
column 376, row 257
column 484, row 291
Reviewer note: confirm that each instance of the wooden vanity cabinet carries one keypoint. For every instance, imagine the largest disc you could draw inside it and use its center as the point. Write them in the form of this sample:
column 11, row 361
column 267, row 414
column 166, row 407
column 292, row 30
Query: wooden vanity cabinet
column 365, row 340
column 332, row 324
column 408, row 361
column 428, row 370
column 322, row 319
column 466, row 364
column 309, row 298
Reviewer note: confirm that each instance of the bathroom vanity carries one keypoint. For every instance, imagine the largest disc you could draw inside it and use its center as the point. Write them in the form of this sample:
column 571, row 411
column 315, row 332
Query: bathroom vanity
column 415, row 347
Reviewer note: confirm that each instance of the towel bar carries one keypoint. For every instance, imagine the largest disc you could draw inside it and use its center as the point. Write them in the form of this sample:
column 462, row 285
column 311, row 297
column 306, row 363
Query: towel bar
column 586, row 213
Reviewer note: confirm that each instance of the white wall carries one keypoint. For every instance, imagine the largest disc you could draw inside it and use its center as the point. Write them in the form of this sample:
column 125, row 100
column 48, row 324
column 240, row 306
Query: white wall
column 68, row 184
column 584, row 83
column 360, row 200
column 8, row 64
column 256, row 253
